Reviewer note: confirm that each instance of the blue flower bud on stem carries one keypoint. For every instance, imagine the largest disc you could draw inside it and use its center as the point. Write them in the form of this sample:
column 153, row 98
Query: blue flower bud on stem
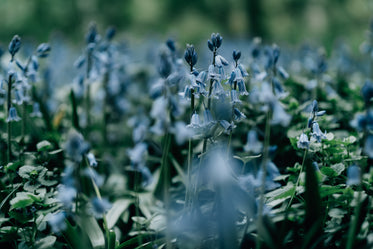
column 14, row 45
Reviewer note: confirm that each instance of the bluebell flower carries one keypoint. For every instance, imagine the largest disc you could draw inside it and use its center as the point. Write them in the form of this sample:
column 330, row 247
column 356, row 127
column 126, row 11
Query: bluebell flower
column 190, row 55
column 195, row 121
column 243, row 71
column 66, row 195
column 236, row 55
column 36, row 110
column 137, row 154
column 238, row 115
column 215, row 42
column 207, row 117
column 316, row 132
column 57, row 222
column 316, row 166
column 234, row 97
column 13, row 115
column 92, row 35
column 164, row 65
column 367, row 91
column 353, row 175
column 43, row 50
column 68, row 176
column 253, row 144
column 220, row 61
column 91, row 159
column 19, row 97
column 110, row 33
column 279, row 115
column 14, row 46
column 217, row 89
column 99, row 207
column 75, row 146
column 181, row 132
column 368, row 146
column 272, row 173
column 146, row 175
column 303, row 142
column 228, row 127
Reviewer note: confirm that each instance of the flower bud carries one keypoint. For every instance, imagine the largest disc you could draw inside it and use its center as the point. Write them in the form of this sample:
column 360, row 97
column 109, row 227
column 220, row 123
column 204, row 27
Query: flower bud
column 14, row 45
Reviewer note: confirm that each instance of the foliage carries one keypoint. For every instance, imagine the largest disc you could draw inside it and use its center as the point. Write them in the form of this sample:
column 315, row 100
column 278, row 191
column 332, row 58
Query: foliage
column 266, row 149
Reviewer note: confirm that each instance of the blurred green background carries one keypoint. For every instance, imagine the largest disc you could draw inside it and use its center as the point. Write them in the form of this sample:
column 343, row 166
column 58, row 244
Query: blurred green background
column 290, row 21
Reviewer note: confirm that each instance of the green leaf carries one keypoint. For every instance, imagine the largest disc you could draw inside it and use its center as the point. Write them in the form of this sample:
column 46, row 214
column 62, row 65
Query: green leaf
column 338, row 168
column 45, row 243
column 21, row 201
column 43, row 146
column 119, row 206
column 12, row 166
column 133, row 242
column 94, row 232
column 281, row 193
column 328, row 172
column 75, row 237
column 55, row 151
column 313, row 219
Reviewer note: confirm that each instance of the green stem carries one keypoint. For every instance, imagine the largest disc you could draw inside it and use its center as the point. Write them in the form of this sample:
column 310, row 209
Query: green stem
column 354, row 229
column 105, row 106
column 190, row 154
column 204, row 148
column 298, row 180
column 24, row 120
column 137, row 206
column 232, row 118
column 9, row 124
column 264, row 175
column 166, row 184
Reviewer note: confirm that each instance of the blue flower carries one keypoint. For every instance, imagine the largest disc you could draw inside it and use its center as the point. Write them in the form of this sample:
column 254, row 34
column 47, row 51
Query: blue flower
column 36, row 110
column 368, row 147
column 303, row 142
column 57, row 222
column 316, row 132
column 43, row 50
column 138, row 153
column 353, row 175
column 195, row 121
column 66, row 195
column 75, row 146
column 190, row 55
column 253, row 144
column 13, row 115
column 99, row 207
column 91, row 160
column 14, row 46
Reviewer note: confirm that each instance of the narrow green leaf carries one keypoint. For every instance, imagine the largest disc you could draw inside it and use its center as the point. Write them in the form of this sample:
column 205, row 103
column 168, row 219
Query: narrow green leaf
column 46, row 243
column 90, row 226
column 313, row 219
column 119, row 206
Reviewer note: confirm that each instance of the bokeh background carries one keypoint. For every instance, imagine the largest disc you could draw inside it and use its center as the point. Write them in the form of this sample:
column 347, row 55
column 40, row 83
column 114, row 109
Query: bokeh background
column 280, row 21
